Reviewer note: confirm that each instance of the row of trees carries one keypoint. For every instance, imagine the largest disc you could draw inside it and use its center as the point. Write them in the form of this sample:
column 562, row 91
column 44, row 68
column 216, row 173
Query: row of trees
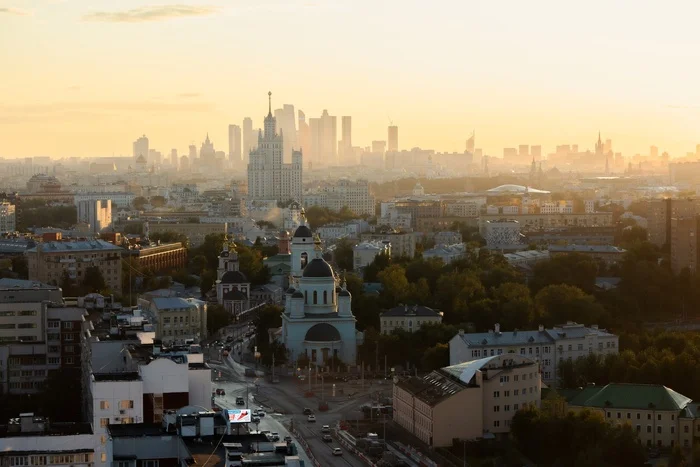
column 43, row 215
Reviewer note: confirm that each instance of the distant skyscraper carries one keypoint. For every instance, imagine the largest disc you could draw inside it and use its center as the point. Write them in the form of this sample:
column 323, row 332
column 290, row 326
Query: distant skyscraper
column 287, row 125
column 193, row 154
column 536, row 152
column 269, row 178
column 234, row 144
column 184, row 164
column 378, row 147
column 173, row 158
column 524, row 152
column 141, row 147
column 324, row 140
column 207, row 153
column 393, row 138
column 345, row 153
column 154, row 157
column 248, row 138
column 471, row 143
column 654, row 152
column 304, row 136
column 96, row 213
column 608, row 146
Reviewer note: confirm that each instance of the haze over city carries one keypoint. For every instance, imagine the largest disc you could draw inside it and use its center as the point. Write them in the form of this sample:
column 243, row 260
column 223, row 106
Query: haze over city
column 86, row 76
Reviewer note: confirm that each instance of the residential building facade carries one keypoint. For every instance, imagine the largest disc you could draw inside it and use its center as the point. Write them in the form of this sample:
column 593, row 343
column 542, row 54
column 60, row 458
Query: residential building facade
column 408, row 318
column 7, row 217
column 547, row 347
column 467, row 401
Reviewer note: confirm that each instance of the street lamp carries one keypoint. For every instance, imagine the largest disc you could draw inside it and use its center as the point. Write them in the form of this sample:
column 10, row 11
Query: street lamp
column 257, row 356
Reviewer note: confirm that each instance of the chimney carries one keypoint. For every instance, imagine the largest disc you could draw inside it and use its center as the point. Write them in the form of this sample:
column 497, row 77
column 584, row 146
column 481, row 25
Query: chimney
column 497, row 328
column 461, row 332
column 541, row 328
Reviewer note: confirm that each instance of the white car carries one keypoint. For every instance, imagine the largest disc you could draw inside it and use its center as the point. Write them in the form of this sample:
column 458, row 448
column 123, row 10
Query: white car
column 325, row 429
column 337, row 452
column 311, row 419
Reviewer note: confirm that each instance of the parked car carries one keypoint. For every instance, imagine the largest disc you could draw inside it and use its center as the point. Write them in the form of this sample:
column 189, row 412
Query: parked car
column 337, row 452
column 308, row 411
column 325, row 429
column 274, row 436
column 327, row 438
column 240, row 401
column 255, row 420
column 220, row 392
column 311, row 419
column 287, row 439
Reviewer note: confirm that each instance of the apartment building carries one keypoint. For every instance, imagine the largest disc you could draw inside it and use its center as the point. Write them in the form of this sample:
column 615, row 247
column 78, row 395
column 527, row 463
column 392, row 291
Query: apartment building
column 402, row 243
column 660, row 416
column 530, row 222
column 196, row 232
column 159, row 257
column 7, row 217
column 119, row 199
column 48, row 261
column 608, row 254
column 408, row 318
column 96, row 213
column 685, row 252
column 467, row 401
column 363, row 254
column 178, row 320
column 31, row 440
column 547, row 347
column 135, row 383
column 37, row 335
column 353, row 194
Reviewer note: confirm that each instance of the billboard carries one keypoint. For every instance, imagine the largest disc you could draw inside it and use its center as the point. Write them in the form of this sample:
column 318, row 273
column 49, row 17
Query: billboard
column 238, row 415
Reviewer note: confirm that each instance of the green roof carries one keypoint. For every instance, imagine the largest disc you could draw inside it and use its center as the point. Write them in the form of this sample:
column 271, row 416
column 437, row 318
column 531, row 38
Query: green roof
column 631, row 396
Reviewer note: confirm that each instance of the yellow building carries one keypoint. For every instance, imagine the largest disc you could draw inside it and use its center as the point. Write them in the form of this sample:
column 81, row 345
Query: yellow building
column 467, row 401
column 660, row 416
column 48, row 261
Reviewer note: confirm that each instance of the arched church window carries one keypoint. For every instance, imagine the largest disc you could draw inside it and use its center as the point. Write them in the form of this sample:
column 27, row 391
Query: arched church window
column 306, row 298
column 325, row 297
column 315, row 297
column 304, row 259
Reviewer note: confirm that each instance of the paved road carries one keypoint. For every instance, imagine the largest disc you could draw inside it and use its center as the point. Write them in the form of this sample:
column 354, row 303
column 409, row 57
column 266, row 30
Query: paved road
column 285, row 404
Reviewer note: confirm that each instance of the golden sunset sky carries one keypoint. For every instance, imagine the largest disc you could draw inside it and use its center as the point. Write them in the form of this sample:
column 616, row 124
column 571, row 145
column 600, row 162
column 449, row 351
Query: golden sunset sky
column 87, row 77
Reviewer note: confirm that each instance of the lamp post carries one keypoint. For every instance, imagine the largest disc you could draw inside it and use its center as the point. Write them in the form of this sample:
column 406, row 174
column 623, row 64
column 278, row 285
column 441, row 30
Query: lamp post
column 257, row 356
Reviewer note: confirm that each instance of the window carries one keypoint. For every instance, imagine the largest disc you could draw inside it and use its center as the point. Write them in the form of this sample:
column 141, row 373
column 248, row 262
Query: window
column 673, row 417
column 515, row 392
column 496, row 408
column 639, row 416
column 68, row 348
column 580, row 346
column 68, row 337
column 103, row 457
column 506, row 408
column 648, row 428
column 103, row 439
column 26, row 325
column 658, row 417
column 104, row 422
column 658, row 429
column 315, row 297
column 27, row 313
column 67, row 325
column 69, row 360
column 569, row 347
column 496, row 394
column 607, row 414
column 166, row 320
column 685, row 443
column 505, row 379
column 54, row 361
column 673, row 429
column 619, row 415
column 522, row 351
column 126, row 404
column 516, row 406
column 639, row 428
column 685, row 429
column 629, row 415
column 325, row 297
column 648, row 416
column 149, row 463
column 496, row 423
column 515, row 378
column 506, row 393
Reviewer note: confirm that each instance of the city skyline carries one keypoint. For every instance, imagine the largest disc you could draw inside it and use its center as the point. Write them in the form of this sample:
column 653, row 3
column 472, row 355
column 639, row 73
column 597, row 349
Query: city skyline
column 117, row 72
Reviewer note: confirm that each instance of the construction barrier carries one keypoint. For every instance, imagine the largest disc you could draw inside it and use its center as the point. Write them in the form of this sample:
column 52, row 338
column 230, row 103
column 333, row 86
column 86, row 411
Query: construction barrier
column 306, row 447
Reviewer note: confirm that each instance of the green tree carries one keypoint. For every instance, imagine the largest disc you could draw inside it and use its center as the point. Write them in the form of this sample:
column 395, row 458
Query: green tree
column 139, row 202
column 217, row 318
column 557, row 304
column 94, row 281
column 437, row 356
column 395, row 285
column 677, row 458
column 343, row 254
column 68, row 285
column 515, row 307
column 206, row 282
column 19, row 266
column 158, row 201
column 574, row 269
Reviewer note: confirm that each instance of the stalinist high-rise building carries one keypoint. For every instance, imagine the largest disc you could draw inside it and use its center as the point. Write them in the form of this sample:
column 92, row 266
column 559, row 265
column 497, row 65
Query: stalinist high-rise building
column 269, row 178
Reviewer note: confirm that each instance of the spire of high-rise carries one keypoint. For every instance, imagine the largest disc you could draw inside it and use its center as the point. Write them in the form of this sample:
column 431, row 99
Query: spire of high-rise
column 269, row 98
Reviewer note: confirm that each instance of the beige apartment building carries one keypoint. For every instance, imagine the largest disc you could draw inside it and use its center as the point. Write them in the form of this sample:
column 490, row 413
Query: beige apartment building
column 530, row 222
column 402, row 243
column 660, row 416
column 194, row 231
column 408, row 318
column 467, row 401
column 178, row 320
column 48, row 261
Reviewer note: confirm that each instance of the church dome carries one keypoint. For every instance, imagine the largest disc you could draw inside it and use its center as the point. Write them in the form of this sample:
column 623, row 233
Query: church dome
column 322, row 332
column 303, row 232
column 344, row 293
column 235, row 295
column 298, row 294
column 318, row 268
column 234, row 277
column 291, row 290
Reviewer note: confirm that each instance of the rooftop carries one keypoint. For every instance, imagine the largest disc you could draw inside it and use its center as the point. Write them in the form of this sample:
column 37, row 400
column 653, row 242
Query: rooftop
column 415, row 310
column 163, row 303
column 67, row 313
column 27, row 424
column 631, row 396
column 516, row 189
column 120, row 376
column 84, row 245
column 7, row 283
column 586, row 249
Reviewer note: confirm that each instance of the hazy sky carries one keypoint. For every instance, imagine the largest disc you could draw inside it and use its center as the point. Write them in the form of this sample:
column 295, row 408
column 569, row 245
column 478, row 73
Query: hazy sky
column 86, row 77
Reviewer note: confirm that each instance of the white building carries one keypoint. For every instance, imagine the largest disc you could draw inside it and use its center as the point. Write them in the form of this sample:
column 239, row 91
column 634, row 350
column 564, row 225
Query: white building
column 447, row 253
column 7, row 217
column 502, row 233
column 546, row 346
column 447, row 238
column 97, row 213
column 269, row 177
column 354, row 195
column 363, row 254
column 408, row 318
column 30, row 440
column 317, row 322
column 119, row 199
column 178, row 320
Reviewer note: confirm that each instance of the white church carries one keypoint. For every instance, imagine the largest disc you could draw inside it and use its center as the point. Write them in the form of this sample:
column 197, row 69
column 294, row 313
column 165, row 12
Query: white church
column 317, row 319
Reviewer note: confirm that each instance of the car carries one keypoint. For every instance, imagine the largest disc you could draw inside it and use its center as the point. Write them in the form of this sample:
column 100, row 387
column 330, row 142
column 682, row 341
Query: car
column 255, row 419
column 274, row 436
column 261, row 413
column 327, row 438
column 220, row 392
column 308, row 411
column 311, row 419
column 240, row 401
column 325, row 429
column 337, row 452
column 287, row 439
